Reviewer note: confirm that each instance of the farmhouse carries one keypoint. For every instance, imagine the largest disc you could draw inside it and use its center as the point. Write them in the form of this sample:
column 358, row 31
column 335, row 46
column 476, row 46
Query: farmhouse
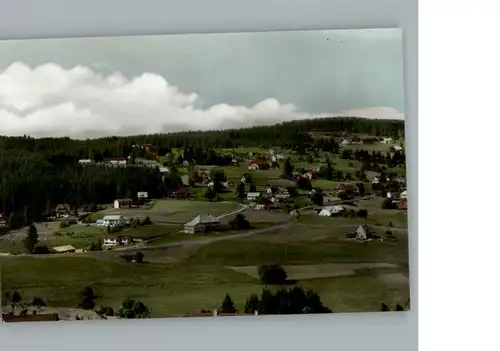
column 63, row 210
column 119, row 203
column 180, row 193
column 114, row 241
column 3, row 221
column 113, row 220
column 258, row 164
column 142, row 195
column 64, row 249
column 402, row 206
column 369, row 140
column 362, row 232
column 253, row 196
column 116, row 161
column 330, row 211
column 201, row 223
column 146, row 162
column 404, row 195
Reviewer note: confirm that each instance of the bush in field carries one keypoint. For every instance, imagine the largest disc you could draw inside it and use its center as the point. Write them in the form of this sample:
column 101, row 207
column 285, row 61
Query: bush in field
column 147, row 221
column 272, row 274
column 362, row 213
column 239, row 222
column 138, row 257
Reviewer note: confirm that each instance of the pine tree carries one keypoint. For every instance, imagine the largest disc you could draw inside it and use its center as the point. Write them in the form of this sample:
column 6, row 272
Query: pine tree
column 227, row 305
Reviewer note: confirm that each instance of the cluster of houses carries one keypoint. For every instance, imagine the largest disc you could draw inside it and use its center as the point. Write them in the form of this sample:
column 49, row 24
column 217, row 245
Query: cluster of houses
column 124, row 162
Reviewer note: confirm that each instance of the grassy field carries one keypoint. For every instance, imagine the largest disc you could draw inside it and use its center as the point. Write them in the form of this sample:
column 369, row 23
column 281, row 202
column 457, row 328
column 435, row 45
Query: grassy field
column 203, row 278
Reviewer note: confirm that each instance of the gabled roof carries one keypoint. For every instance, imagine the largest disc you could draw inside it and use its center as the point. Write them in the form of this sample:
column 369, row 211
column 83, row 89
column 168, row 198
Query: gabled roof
column 202, row 219
column 124, row 200
column 112, row 218
column 334, row 209
column 64, row 248
column 65, row 207
column 253, row 194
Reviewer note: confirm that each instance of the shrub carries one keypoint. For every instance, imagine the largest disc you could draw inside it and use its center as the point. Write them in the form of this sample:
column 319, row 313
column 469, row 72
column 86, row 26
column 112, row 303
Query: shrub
column 362, row 213
column 139, row 257
column 272, row 274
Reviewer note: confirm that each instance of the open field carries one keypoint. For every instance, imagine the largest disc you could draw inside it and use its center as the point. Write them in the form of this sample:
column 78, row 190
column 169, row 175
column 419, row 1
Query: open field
column 326, row 270
column 202, row 280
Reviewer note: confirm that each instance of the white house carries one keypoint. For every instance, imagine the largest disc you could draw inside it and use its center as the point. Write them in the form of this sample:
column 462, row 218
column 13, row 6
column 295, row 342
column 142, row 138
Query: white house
column 85, row 162
column 119, row 203
column 345, row 142
column 163, row 169
column 112, row 241
column 397, row 148
column 361, row 233
column 330, row 211
column 253, row 196
column 201, row 223
column 387, row 141
column 113, row 220
column 3, row 221
column 404, row 195
column 142, row 195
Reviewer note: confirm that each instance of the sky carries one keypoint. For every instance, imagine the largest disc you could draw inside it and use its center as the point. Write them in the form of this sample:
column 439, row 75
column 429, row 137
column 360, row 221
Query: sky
column 94, row 87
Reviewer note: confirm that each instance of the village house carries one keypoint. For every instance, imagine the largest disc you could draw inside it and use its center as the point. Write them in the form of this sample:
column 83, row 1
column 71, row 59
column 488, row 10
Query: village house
column 120, row 203
column 363, row 232
column 258, row 164
column 115, row 241
column 402, row 206
column 63, row 210
column 201, row 224
column 253, row 196
column 116, row 161
column 145, row 162
column 3, row 221
column 393, row 195
column 404, row 195
column 113, row 220
column 368, row 140
column 180, row 193
column 64, row 249
column 330, row 211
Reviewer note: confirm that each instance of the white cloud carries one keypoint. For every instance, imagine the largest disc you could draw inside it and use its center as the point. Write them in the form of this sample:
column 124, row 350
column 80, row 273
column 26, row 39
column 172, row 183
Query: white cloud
column 49, row 100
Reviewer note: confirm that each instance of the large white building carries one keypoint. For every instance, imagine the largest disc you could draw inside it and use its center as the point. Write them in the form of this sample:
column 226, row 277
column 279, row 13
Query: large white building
column 200, row 224
column 112, row 220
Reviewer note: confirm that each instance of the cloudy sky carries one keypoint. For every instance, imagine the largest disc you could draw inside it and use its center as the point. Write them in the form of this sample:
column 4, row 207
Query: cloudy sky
column 148, row 84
